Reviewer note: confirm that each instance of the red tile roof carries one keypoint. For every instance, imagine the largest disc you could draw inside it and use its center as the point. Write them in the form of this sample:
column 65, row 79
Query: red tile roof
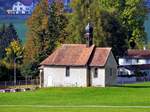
column 78, row 55
column 100, row 56
column 138, row 53
column 70, row 54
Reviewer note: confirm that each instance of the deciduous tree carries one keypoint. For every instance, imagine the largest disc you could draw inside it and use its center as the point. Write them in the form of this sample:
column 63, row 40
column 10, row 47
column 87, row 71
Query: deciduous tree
column 45, row 28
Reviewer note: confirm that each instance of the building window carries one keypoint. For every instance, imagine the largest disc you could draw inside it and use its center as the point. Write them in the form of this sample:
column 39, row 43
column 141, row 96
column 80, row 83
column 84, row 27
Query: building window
column 67, row 71
column 21, row 8
column 95, row 73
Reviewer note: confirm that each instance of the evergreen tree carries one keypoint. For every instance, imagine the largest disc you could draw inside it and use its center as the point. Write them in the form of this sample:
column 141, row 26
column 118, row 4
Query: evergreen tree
column 45, row 27
column 115, row 36
column 7, row 35
column 107, row 29
column 8, row 49
column 2, row 41
column 131, row 14
column 132, row 17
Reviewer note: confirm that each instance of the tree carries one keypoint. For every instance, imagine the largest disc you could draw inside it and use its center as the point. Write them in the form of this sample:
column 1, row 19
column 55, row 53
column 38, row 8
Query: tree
column 5, row 73
column 37, row 25
column 9, row 43
column 115, row 36
column 7, row 35
column 107, row 29
column 45, row 27
column 133, row 17
column 82, row 11
column 14, row 50
column 2, row 41
column 11, row 33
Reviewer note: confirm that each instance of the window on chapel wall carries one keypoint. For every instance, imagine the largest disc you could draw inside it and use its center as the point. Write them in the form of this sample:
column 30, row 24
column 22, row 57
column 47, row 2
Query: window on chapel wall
column 95, row 72
column 67, row 71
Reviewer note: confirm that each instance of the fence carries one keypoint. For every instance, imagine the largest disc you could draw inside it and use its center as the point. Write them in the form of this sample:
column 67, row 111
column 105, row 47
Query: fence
column 20, row 84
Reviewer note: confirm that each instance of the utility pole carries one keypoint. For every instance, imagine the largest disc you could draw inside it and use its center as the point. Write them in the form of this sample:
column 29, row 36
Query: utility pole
column 19, row 57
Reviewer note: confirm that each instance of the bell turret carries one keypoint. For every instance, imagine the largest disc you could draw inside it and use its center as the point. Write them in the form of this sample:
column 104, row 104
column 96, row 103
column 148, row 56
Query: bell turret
column 89, row 35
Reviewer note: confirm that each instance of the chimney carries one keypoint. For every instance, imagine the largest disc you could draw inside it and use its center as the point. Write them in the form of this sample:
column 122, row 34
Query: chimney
column 89, row 35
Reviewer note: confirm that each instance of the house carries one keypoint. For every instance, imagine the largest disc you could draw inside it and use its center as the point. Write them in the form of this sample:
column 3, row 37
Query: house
column 135, row 61
column 22, row 7
column 79, row 65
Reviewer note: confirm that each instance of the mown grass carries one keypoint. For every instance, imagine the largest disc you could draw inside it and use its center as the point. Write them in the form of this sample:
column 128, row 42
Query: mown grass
column 73, row 110
column 128, row 95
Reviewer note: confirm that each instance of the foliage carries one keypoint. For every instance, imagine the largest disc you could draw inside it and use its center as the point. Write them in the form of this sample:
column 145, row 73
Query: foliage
column 9, row 44
column 29, row 69
column 115, row 36
column 7, row 35
column 4, row 72
column 132, row 15
column 37, row 25
column 107, row 29
column 127, row 17
column 14, row 50
column 45, row 28
column 79, row 19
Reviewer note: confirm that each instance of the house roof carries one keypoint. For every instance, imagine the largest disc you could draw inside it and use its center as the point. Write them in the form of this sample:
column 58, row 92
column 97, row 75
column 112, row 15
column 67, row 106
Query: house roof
column 78, row 55
column 70, row 55
column 138, row 53
column 100, row 56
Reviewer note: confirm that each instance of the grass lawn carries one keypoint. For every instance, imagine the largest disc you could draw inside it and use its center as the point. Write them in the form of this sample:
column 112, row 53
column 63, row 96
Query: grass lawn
column 128, row 95
column 72, row 110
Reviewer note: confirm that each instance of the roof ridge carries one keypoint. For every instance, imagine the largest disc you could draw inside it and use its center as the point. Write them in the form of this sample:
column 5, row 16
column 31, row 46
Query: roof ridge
column 104, row 58
column 73, row 44
column 77, row 55
column 91, row 49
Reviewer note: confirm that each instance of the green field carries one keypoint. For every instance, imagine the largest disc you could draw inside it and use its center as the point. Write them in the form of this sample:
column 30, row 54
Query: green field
column 79, row 99
column 20, row 26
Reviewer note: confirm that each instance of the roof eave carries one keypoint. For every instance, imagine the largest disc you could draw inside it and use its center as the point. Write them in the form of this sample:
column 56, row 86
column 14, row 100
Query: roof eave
column 54, row 65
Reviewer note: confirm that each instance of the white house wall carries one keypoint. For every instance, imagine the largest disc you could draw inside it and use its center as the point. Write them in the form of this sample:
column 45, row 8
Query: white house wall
column 58, row 75
column 111, row 78
column 104, row 78
column 133, row 61
column 100, row 79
